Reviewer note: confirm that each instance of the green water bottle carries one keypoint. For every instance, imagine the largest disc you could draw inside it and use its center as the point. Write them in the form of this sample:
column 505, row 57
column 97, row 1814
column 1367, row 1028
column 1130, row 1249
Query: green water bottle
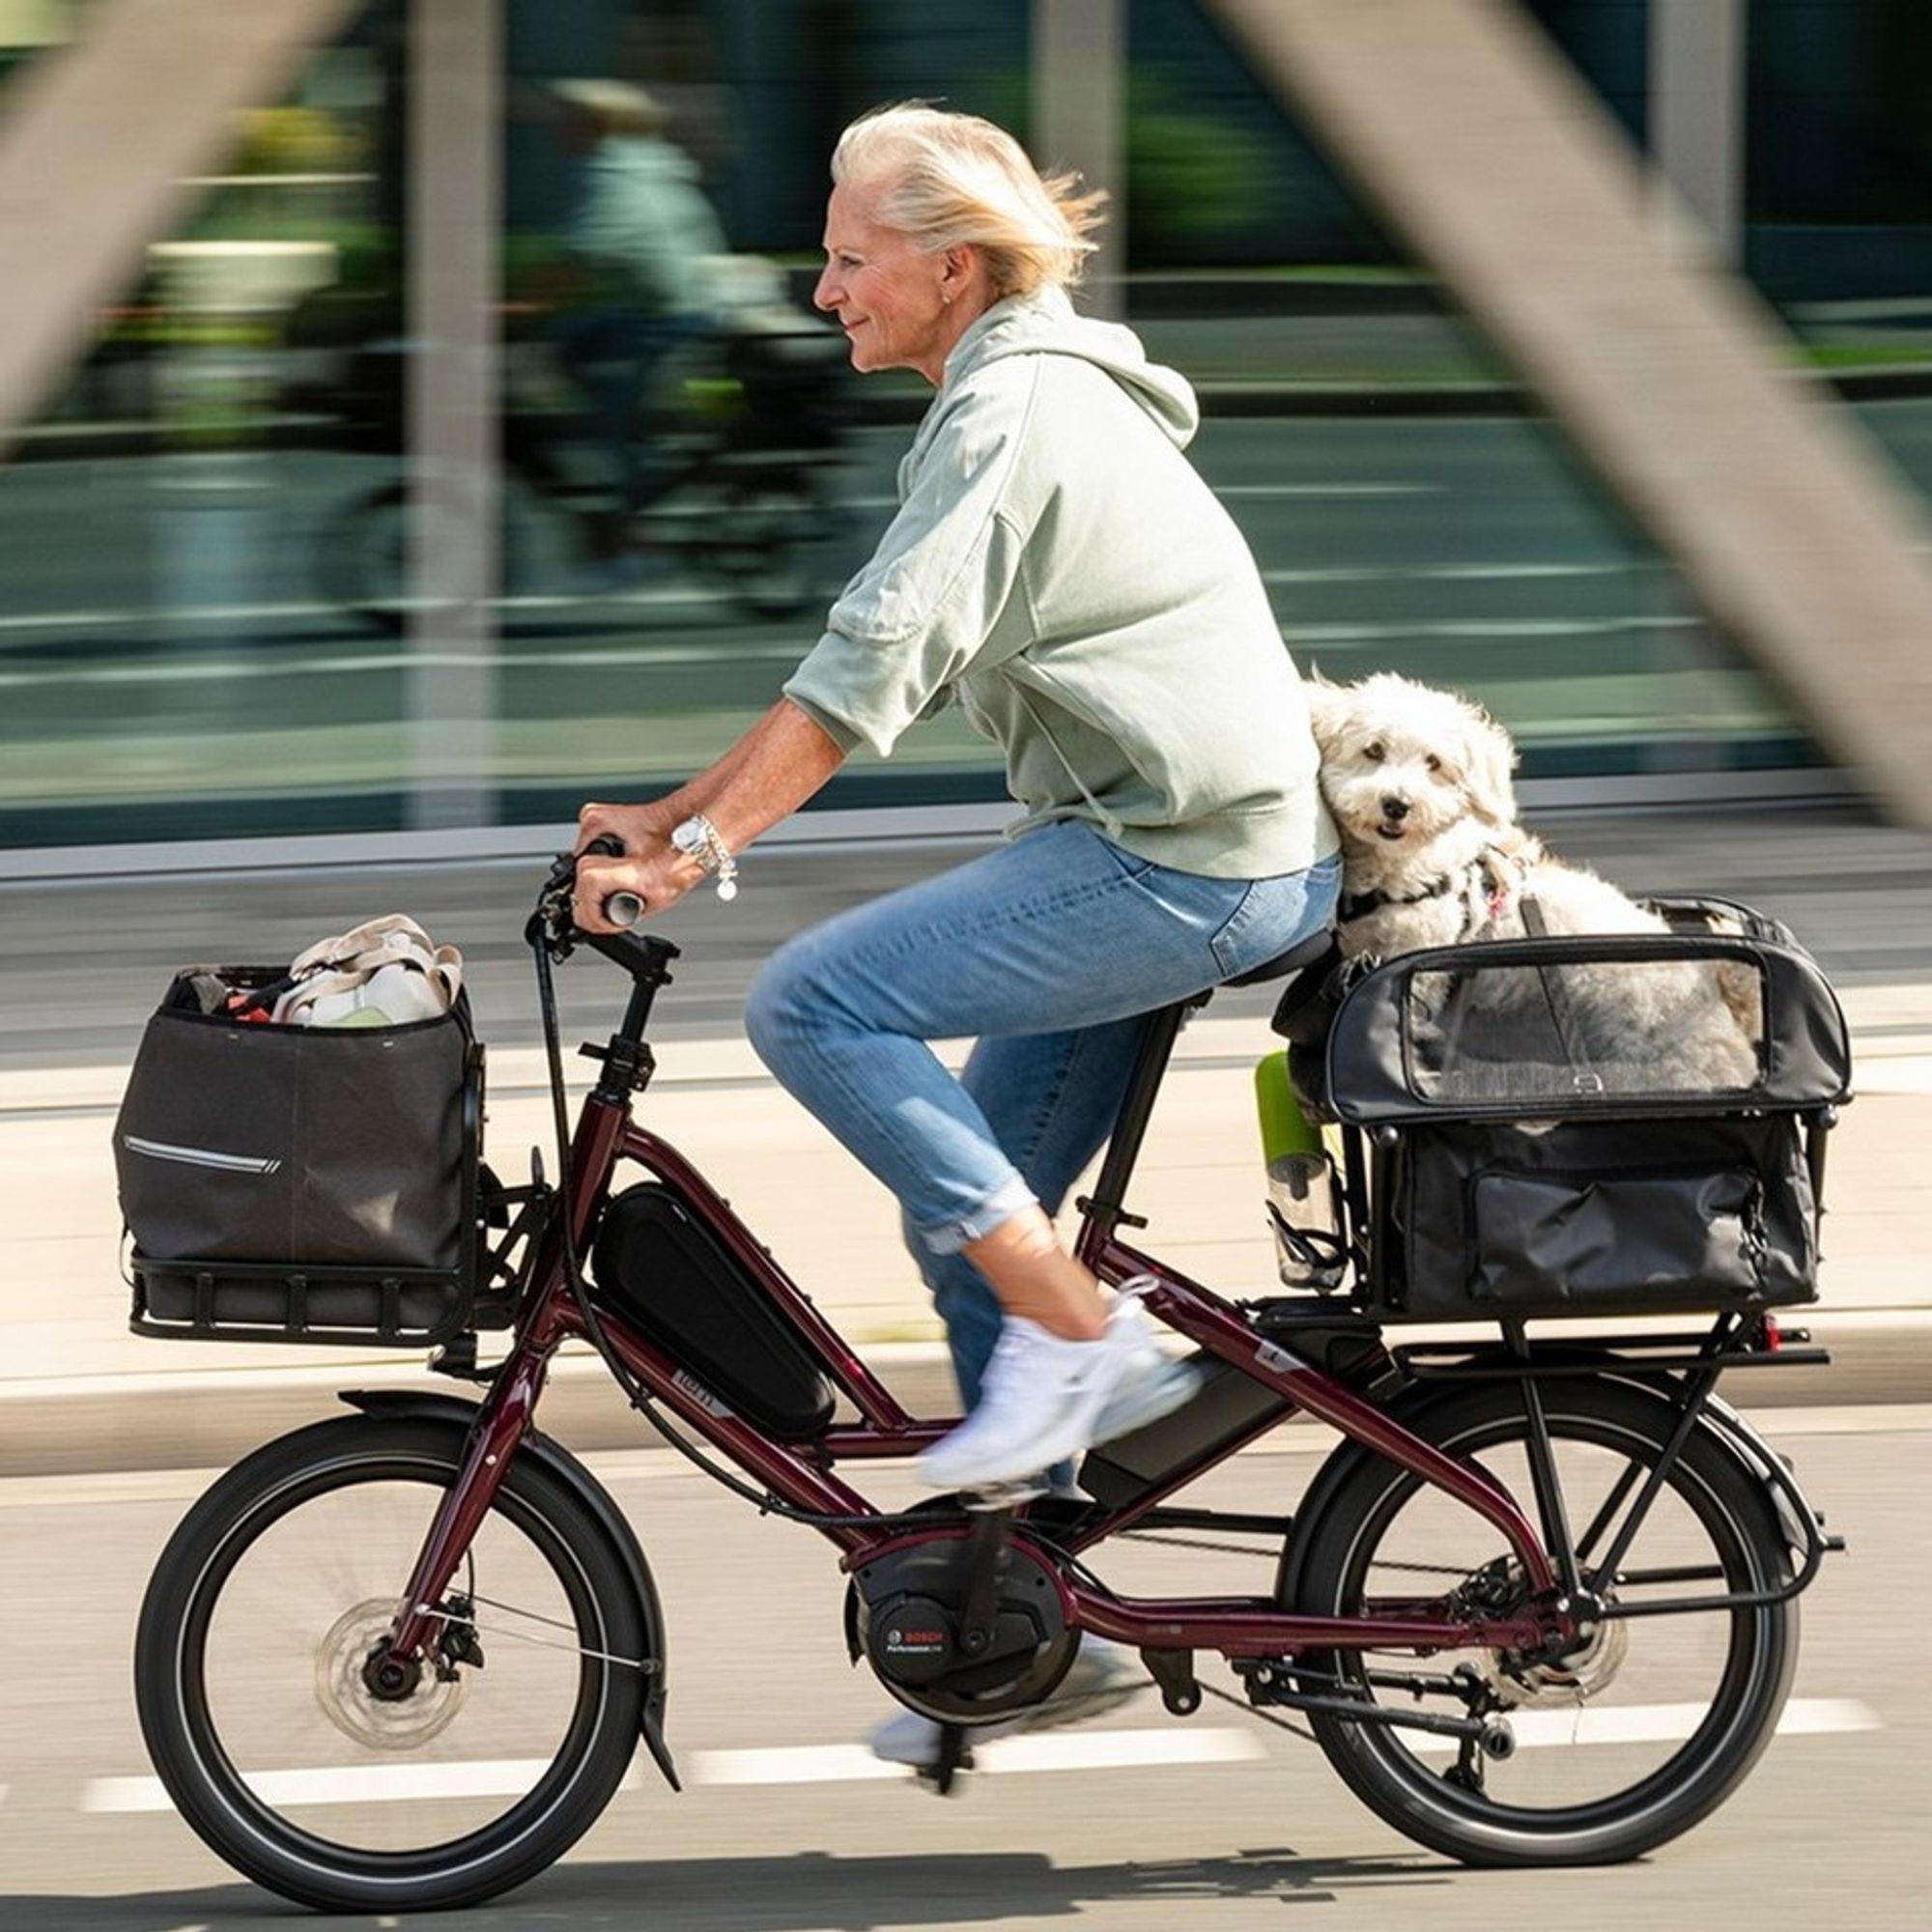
column 1304, row 1193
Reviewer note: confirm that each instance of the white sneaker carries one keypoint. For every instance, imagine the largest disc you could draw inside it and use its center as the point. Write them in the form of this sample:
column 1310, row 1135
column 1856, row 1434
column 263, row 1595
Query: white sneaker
column 1101, row 1677
column 1037, row 1405
column 1155, row 1384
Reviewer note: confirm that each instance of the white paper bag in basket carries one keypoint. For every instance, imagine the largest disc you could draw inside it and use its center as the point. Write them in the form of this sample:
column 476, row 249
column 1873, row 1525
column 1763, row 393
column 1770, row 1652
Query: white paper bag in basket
column 381, row 974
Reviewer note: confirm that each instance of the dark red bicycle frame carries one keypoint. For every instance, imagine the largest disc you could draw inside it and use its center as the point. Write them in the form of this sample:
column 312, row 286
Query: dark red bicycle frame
column 801, row 1474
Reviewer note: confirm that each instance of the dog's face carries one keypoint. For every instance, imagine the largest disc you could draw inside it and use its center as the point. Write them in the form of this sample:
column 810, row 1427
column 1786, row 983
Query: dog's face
column 1402, row 764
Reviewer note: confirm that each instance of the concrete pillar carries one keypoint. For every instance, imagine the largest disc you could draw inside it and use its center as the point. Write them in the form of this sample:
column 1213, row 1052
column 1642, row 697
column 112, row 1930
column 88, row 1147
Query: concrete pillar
column 1698, row 112
column 1509, row 179
column 455, row 141
column 1079, row 119
column 96, row 141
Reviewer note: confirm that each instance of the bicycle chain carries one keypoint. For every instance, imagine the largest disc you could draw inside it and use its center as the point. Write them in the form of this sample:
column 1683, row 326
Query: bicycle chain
column 1248, row 1550
column 1254, row 1711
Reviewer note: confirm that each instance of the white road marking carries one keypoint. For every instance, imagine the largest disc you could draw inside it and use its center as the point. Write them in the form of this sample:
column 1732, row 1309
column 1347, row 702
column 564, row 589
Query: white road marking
column 842, row 1764
column 1661, row 1723
column 1092, row 1750
column 801, row 1764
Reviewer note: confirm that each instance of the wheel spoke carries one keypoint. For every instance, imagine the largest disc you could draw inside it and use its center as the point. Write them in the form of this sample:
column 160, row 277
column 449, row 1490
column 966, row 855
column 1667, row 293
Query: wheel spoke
column 1605, row 1515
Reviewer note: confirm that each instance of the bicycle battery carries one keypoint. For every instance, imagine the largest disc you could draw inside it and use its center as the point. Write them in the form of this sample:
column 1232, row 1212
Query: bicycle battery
column 1229, row 1407
column 670, row 1276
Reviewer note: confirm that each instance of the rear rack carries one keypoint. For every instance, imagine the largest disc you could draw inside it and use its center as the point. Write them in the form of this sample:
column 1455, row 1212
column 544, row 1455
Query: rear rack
column 392, row 1308
column 1588, row 1355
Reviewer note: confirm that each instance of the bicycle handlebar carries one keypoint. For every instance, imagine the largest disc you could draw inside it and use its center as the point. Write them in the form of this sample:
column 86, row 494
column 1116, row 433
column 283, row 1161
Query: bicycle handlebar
column 621, row 909
column 551, row 924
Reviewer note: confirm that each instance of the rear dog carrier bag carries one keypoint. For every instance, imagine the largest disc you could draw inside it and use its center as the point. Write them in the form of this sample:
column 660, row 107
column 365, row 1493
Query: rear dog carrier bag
column 1592, row 1124
column 682, row 1289
column 297, row 1182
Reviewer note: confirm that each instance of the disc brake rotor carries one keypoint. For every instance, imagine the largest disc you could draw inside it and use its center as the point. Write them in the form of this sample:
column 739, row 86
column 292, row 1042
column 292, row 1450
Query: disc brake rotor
column 354, row 1710
column 1561, row 1682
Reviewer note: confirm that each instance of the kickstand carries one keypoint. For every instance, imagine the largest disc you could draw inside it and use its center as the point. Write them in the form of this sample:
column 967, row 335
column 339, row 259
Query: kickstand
column 956, row 1755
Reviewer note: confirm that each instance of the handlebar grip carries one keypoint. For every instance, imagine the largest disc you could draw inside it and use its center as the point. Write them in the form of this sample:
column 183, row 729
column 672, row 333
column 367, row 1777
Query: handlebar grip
column 624, row 909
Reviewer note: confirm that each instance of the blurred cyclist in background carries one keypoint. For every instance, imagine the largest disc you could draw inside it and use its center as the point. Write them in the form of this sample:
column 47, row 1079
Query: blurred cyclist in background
column 636, row 277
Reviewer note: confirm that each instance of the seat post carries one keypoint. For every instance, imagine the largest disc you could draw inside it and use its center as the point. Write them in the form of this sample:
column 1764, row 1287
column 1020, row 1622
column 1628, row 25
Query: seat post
column 1105, row 1207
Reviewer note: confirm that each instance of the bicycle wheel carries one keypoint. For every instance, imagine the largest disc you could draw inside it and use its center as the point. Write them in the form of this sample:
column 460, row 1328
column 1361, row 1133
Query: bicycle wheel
column 363, row 553
column 1636, row 1737
column 262, row 1612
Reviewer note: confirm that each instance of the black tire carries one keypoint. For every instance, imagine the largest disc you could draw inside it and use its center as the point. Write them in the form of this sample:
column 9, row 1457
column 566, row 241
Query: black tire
column 403, row 1815
column 1607, row 1777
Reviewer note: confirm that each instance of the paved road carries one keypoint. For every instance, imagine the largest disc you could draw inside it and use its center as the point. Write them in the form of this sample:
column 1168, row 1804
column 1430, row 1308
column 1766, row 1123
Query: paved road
column 1828, row 1829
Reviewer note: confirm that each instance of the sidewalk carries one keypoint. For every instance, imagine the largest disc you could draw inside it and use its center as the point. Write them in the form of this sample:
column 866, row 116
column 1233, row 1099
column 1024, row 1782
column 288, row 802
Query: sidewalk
column 82, row 968
column 81, row 1393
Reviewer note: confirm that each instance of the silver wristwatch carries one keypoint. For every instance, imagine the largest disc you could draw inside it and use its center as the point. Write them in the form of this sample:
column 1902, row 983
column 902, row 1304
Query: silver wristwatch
column 697, row 837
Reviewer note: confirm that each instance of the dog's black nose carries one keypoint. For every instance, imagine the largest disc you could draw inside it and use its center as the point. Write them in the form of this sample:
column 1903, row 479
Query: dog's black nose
column 1394, row 809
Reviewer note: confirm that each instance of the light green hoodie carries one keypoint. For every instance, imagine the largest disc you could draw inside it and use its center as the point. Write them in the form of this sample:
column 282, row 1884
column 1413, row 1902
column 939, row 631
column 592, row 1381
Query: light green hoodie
column 1058, row 568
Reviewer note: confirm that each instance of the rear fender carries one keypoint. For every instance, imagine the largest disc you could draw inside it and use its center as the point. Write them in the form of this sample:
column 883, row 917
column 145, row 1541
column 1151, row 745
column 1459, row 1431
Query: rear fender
column 558, row 1463
column 1796, row 1518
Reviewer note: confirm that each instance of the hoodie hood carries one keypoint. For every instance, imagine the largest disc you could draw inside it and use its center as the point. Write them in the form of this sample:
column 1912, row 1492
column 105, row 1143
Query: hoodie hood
column 1046, row 324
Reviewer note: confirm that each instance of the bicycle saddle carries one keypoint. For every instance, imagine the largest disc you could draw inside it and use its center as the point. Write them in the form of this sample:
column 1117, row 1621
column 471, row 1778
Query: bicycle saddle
column 1312, row 951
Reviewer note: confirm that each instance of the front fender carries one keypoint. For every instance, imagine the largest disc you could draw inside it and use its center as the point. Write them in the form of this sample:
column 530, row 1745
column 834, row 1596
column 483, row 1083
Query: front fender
column 560, row 1463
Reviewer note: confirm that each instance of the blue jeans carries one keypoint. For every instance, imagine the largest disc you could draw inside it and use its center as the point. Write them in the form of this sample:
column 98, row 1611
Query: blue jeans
column 1051, row 953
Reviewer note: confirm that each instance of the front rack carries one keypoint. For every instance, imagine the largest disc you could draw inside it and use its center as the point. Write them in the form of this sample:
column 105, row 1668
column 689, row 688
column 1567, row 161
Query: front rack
column 363, row 1306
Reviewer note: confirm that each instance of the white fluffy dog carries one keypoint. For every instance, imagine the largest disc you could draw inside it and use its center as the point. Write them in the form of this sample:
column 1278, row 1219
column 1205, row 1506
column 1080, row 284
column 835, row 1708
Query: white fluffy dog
column 1418, row 784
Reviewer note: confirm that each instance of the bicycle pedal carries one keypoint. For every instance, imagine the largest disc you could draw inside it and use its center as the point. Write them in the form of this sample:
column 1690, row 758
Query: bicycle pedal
column 956, row 1755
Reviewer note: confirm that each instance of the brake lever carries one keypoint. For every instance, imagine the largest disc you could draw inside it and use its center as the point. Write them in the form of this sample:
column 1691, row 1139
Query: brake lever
column 552, row 924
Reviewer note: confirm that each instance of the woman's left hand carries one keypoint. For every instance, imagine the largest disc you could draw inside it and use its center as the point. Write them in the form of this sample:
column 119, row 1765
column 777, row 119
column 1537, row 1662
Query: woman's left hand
column 660, row 876
column 636, row 828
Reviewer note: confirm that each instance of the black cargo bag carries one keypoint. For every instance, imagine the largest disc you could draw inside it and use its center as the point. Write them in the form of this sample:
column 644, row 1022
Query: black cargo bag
column 1637, row 1217
column 1624, row 1123
column 319, row 1182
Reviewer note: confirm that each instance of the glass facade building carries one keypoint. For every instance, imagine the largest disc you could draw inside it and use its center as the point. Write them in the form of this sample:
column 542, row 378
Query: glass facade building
column 263, row 576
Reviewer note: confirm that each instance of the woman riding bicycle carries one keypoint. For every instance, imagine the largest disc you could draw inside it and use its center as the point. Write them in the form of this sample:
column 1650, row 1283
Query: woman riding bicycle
column 1506, row 1533
column 1058, row 569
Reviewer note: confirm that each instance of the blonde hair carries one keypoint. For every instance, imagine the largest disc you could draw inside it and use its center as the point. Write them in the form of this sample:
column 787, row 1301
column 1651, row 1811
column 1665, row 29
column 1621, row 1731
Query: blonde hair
column 953, row 180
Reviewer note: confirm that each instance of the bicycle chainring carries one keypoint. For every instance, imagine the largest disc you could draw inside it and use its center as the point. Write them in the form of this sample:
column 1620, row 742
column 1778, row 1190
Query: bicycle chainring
column 907, row 1610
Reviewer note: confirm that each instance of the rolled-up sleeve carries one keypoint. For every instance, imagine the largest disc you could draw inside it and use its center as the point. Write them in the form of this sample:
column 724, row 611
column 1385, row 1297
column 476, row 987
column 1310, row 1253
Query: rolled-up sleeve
column 922, row 610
